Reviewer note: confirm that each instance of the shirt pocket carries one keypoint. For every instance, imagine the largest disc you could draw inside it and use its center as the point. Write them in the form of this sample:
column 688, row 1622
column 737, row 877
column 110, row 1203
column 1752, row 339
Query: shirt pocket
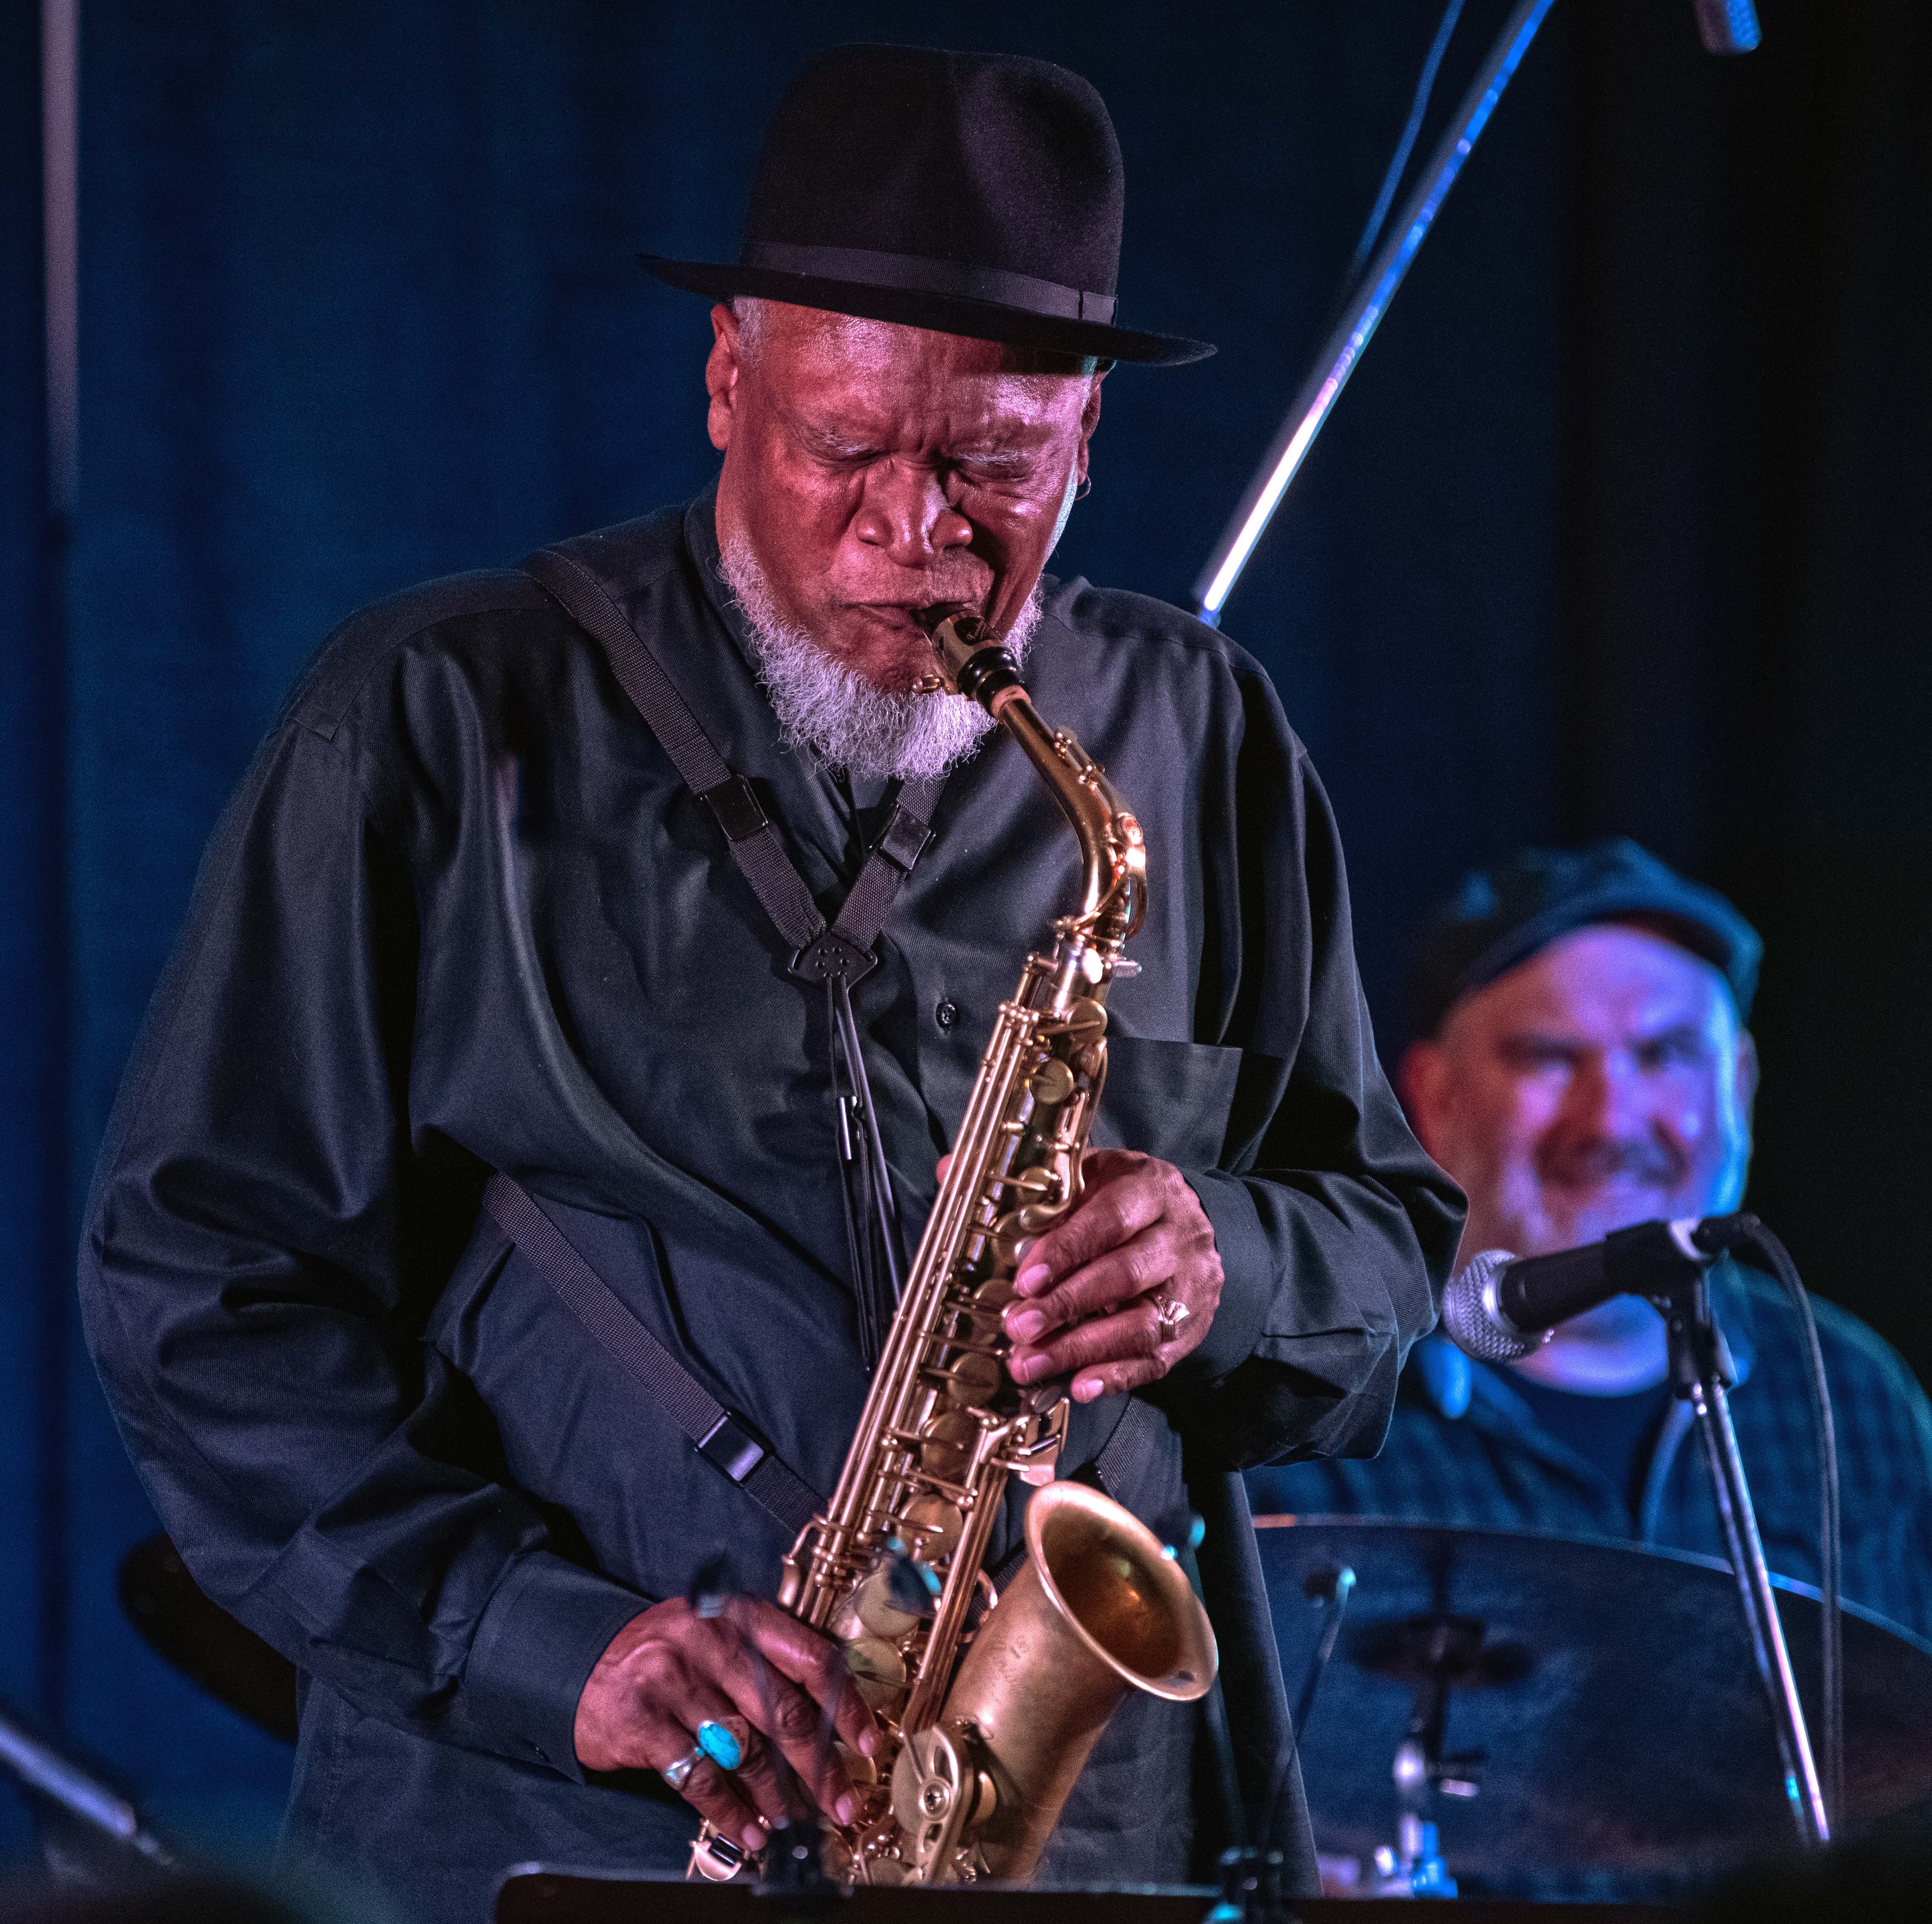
column 1167, row 1099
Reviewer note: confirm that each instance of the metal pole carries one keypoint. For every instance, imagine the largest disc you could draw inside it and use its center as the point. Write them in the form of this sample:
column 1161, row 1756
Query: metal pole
column 1365, row 308
column 1713, row 1411
column 43, row 1769
column 60, row 189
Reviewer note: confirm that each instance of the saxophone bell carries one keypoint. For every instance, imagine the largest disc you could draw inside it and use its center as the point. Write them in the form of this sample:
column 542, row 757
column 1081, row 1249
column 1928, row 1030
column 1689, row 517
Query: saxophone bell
column 1100, row 1608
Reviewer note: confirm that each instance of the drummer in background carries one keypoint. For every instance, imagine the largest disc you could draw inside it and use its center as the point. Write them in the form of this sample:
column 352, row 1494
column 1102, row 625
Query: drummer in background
column 1585, row 1065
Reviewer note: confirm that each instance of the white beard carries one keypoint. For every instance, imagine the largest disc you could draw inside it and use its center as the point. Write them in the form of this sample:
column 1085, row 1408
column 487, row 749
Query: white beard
column 833, row 711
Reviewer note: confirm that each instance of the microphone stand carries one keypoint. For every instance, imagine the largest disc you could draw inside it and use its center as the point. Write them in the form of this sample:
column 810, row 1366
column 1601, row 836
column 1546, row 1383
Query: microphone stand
column 48, row 1773
column 1725, row 26
column 1349, row 336
column 1701, row 1372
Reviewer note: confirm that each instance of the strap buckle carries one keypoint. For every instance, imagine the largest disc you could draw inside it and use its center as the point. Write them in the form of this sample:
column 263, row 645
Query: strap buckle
column 732, row 1444
column 736, row 807
column 904, row 839
column 829, row 956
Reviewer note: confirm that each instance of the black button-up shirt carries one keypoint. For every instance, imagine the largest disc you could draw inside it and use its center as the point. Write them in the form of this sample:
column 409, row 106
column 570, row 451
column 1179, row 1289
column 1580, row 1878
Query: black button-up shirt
column 463, row 916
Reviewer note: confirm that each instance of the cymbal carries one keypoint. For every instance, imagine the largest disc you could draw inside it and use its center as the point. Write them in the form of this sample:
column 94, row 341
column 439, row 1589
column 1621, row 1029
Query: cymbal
column 187, row 1627
column 1610, row 1686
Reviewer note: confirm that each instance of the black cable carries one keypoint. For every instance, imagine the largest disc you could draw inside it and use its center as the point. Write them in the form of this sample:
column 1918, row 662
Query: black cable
column 1214, row 1710
column 885, row 1207
column 1337, row 1603
column 1399, row 165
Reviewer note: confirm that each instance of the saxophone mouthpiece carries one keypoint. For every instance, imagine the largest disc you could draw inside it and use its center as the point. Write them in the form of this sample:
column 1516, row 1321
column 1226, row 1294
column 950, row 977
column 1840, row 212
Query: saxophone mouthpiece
column 929, row 618
column 973, row 660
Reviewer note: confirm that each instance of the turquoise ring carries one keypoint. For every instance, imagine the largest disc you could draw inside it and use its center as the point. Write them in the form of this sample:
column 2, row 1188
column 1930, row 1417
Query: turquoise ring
column 715, row 1742
column 719, row 1744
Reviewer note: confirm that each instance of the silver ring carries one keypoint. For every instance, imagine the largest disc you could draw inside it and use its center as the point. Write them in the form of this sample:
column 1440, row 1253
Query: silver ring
column 1169, row 1314
column 679, row 1774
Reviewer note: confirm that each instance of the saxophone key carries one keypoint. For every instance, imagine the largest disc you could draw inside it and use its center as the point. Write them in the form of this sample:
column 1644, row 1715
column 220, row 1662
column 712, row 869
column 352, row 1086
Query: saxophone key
column 1084, row 1024
column 862, row 1769
column 1036, row 1218
column 1024, row 1186
column 946, row 1445
column 973, row 1323
column 877, row 1670
column 1010, row 1238
column 879, row 1611
column 937, row 1523
column 973, row 1379
column 1051, row 1083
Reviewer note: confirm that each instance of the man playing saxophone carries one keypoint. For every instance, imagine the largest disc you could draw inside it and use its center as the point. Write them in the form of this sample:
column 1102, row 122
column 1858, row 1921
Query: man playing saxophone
column 468, row 934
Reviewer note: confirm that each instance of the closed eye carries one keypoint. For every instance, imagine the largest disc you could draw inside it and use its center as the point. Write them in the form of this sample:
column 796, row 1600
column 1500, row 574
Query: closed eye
column 1006, row 466
column 839, row 454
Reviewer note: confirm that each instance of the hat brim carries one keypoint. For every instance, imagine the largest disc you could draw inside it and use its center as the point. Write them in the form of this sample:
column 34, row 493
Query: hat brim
column 1698, row 920
column 946, row 313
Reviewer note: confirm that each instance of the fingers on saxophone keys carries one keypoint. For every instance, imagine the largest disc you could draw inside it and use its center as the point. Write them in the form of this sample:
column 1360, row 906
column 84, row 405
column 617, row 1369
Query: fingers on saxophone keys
column 1112, row 1213
column 793, row 1720
column 817, row 1666
column 1092, row 1293
column 756, row 1778
column 1130, row 1334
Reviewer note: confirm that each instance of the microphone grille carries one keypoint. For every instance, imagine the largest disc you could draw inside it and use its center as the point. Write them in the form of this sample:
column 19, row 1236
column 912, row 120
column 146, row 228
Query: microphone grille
column 1467, row 1317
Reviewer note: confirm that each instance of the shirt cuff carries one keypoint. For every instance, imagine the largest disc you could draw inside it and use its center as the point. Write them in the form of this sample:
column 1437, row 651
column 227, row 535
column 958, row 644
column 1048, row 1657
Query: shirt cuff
column 1247, row 1276
column 539, row 1640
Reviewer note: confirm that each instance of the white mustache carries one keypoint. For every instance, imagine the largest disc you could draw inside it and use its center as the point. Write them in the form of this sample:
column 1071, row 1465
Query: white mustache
column 826, row 707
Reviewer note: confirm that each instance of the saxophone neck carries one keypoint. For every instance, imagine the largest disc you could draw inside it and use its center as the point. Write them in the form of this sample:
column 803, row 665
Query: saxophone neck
column 972, row 662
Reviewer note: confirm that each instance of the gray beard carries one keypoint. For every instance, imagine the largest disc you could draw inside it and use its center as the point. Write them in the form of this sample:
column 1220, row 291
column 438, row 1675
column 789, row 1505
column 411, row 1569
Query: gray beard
column 834, row 712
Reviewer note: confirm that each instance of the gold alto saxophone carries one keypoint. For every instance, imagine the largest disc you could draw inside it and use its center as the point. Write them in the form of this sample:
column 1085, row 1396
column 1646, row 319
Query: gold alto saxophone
column 987, row 1728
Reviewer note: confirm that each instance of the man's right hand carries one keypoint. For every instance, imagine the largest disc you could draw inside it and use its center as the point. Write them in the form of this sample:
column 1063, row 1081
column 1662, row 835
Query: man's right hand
column 669, row 1669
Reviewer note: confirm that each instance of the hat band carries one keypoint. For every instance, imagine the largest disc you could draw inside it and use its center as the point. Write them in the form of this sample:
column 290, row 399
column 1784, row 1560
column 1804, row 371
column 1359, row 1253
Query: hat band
column 917, row 273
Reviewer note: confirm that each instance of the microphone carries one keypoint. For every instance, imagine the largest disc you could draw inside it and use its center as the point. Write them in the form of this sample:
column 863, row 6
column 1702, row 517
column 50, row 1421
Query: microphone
column 1499, row 1307
column 1727, row 26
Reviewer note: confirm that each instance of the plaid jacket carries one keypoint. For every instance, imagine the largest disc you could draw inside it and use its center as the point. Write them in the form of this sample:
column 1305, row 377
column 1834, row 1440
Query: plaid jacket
column 1464, row 1449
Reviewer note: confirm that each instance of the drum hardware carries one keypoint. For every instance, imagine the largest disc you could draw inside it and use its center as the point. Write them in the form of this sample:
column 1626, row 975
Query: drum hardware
column 1611, row 1689
column 1435, row 1654
column 56, row 1781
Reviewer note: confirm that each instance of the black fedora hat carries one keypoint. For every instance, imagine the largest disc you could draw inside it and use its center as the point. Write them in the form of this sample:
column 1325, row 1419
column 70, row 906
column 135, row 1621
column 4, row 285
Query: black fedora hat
column 977, row 193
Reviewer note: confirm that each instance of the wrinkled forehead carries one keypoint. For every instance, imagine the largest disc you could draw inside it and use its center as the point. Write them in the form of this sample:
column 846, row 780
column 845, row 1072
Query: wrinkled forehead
column 820, row 361
column 1608, row 984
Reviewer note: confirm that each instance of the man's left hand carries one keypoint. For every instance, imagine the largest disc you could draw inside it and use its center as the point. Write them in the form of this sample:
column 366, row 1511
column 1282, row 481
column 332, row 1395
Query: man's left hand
column 1101, row 1295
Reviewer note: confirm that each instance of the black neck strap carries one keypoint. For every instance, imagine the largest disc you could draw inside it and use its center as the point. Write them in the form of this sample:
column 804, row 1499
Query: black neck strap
column 819, row 952
column 836, row 956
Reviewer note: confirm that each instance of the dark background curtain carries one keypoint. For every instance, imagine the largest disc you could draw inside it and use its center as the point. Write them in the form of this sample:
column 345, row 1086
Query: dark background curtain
column 1621, row 528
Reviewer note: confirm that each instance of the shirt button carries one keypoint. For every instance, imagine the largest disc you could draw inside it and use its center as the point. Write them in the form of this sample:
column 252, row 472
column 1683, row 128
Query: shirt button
column 946, row 1014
